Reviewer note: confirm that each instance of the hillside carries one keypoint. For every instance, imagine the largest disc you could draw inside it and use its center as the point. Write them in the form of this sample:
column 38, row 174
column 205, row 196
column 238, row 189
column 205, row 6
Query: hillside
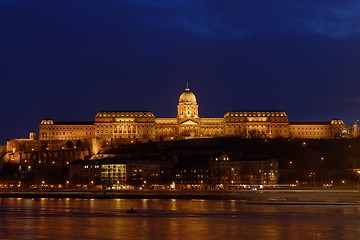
column 325, row 159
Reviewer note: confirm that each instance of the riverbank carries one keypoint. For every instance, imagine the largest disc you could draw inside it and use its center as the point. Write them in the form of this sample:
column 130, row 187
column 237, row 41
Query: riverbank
column 255, row 197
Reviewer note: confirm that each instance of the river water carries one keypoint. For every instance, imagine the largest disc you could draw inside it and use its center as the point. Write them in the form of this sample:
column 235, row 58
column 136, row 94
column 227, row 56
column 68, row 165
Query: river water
column 45, row 218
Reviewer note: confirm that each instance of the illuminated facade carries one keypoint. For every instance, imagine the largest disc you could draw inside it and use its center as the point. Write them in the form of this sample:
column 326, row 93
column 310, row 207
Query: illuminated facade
column 330, row 129
column 106, row 172
column 112, row 128
column 227, row 170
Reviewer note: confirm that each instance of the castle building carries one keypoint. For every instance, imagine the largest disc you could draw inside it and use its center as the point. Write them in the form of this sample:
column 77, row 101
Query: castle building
column 112, row 128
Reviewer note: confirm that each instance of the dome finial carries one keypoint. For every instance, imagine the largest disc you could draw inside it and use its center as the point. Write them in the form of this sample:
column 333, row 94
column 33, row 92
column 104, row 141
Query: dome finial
column 187, row 96
column 187, row 87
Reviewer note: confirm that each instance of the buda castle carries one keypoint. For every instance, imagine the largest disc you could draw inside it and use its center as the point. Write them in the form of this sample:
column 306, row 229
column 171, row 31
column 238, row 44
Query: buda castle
column 113, row 128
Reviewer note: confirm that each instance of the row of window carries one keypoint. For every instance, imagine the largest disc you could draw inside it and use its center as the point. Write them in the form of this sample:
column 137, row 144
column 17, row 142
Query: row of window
column 123, row 126
column 241, row 129
column 124, row 132
column 114, row 179
column 194, row 171
column 246, row 120
column 113, row 174
column 95, row 166
column 145, row 170
column 66, row 128
column 126, row 115
column 189, row 182
column 315, row 133
column 107, row 170
column 256, row 114
column 193, row 176
column 325, row 128
column 63, row 133
column 113, row 166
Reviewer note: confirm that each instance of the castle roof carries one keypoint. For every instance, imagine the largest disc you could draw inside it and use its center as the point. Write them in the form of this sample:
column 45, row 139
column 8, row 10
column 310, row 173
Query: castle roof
column 311, row 123
column 72, row 123
column 255, row 113
column 187, row 96
column 125, row 114
column 51, row 122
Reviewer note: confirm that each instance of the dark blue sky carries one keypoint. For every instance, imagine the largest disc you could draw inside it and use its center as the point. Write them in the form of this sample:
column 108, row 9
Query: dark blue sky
column 68, row 59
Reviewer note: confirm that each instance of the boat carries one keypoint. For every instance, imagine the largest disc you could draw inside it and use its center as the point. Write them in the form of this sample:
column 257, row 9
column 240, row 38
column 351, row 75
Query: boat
column 132, row 211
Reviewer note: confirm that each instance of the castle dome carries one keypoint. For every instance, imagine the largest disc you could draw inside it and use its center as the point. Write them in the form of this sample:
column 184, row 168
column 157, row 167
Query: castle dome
column 187, row 96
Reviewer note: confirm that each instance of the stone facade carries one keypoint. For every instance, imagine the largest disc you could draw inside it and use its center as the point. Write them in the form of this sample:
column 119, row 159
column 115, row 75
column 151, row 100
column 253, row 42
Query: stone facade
column 325, row 130
column 51, row 130
column 100, row 172
column 113, row 128
column 42, row 152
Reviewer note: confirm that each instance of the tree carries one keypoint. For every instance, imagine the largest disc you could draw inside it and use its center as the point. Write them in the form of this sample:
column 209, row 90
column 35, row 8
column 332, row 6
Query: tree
column 69, row 144
column 79, row 144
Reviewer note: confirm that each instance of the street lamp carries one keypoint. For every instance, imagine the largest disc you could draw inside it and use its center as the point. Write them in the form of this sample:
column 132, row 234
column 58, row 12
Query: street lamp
column 312, row 175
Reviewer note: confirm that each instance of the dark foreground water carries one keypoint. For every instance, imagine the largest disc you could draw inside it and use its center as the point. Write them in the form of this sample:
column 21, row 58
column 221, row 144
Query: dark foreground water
column 45, row 218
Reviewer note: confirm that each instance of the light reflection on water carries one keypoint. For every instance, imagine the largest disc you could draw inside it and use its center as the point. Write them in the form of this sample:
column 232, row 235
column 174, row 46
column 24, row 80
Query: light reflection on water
column 173, row 219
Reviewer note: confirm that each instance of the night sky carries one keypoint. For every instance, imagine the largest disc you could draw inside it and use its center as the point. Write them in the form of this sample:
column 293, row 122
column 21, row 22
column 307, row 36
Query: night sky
column 66, row 60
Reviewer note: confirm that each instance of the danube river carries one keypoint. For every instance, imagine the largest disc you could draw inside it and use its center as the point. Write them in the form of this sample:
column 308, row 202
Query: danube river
column 52, row 218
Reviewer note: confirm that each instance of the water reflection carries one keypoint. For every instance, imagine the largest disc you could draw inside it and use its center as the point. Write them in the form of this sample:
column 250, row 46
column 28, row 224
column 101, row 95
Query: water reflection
column 176, row 219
